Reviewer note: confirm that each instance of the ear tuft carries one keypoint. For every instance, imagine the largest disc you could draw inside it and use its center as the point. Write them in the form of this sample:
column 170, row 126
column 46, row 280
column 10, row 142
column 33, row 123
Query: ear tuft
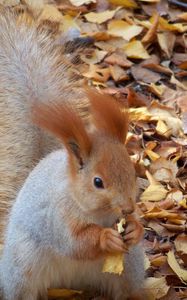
column 107, row 115
column 63, row 121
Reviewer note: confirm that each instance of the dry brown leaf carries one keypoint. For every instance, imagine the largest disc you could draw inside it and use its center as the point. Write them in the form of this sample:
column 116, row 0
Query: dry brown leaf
column 173, row 263
column 152, row 155
column 118, row 74
column 181, row 243
column 165, row 25
column 100, row 17
column 163, row 129
column 51, row 13
column 164, row 170
column 118, row 59
column 154, row 192
column 178, row 83
column 125, row 3
column 139, row 114
column 158, row 213
column 120, row 28
column 135, row 49
column 81, row 2
column 141, row 74
column 156, row 287
column 166, row 41
column 151, row 33
column 96, row 57
column 95, row 72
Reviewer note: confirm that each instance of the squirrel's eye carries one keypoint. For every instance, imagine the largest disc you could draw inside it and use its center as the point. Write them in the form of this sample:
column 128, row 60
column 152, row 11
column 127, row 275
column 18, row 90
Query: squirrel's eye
column 98, row 183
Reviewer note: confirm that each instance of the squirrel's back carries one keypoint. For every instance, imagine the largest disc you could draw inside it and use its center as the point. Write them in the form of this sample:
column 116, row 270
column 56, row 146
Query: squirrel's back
column 31, row 69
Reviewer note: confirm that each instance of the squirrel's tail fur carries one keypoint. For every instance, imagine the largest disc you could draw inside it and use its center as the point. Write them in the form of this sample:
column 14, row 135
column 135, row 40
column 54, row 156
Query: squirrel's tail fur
column 31, row 69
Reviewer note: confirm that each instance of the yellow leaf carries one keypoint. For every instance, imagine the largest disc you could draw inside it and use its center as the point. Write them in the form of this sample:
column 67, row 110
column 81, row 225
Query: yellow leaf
column 65, row 293
column 125, row 3
column 139, row 114
column 171, row 27
column 166, row 41
column 100, row 17
column 183, row 203
column 152, row 155
column 157, row 89
column 81, row 2
column 158, row 213
column 155, row 191
column 163, row 129
column 183, row 16
column 135, row 49
column 114, row 263
column 173, row 263
column 51, row 13
column 156, row 287
column 123, row 29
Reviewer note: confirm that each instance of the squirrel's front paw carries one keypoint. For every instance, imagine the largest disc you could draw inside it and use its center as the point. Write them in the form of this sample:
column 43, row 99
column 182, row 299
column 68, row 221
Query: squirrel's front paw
column 133, row 232
column 111, row 241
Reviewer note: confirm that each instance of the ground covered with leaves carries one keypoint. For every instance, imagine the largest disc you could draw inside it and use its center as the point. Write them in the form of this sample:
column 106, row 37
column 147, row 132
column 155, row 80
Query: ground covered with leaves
column 136, row 51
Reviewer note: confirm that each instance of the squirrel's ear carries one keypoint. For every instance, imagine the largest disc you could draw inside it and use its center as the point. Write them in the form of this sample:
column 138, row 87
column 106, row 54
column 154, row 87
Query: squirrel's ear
column 63, row 121
column 108, row 115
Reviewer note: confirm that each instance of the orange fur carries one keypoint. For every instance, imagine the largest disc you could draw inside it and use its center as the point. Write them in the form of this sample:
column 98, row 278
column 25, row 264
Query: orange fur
column 64, row 122
column 107, row 115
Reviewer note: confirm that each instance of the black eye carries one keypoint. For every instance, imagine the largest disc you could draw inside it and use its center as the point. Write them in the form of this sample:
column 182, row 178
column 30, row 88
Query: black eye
column 98, row 183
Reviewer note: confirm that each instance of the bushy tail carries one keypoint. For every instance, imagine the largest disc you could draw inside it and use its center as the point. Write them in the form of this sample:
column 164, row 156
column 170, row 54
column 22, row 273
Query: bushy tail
column 31, row 69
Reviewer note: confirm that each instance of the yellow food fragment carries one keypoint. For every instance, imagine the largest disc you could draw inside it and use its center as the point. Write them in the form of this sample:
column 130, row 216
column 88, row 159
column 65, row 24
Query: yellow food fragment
column 115, row 263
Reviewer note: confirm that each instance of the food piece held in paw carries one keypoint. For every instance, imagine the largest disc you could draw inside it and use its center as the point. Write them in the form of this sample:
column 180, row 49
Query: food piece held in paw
column 114, row 263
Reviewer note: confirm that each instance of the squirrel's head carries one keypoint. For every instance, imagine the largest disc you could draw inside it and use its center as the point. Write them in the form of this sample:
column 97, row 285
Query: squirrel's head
column 101, row 174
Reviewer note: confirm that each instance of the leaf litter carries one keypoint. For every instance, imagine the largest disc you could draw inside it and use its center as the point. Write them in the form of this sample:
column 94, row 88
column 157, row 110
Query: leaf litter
column 138, row 54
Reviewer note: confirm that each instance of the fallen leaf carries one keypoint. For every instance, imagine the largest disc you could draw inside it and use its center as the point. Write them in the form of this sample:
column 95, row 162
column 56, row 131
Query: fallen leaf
column 9, row 2
column 151, row 33
column 120, row 28
column 135, row 49
column 97, row 73
column 118, row 59
column 118, row 74
column 141, row 74
column 125, row 3
column 155, row 191
column 100, row 17
column 51, row 13
column 157, row 287
column 96, row 57
column 181, row 243
column 166, row 41
column 163, row 129
column 81, row 2
column 173, row 263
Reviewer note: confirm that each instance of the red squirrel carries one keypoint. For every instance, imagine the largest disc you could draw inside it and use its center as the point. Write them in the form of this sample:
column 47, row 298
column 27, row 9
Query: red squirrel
column 61, row 226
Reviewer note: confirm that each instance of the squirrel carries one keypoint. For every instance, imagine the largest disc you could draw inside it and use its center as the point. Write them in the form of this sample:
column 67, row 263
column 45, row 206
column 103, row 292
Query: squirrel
column 60, row 227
